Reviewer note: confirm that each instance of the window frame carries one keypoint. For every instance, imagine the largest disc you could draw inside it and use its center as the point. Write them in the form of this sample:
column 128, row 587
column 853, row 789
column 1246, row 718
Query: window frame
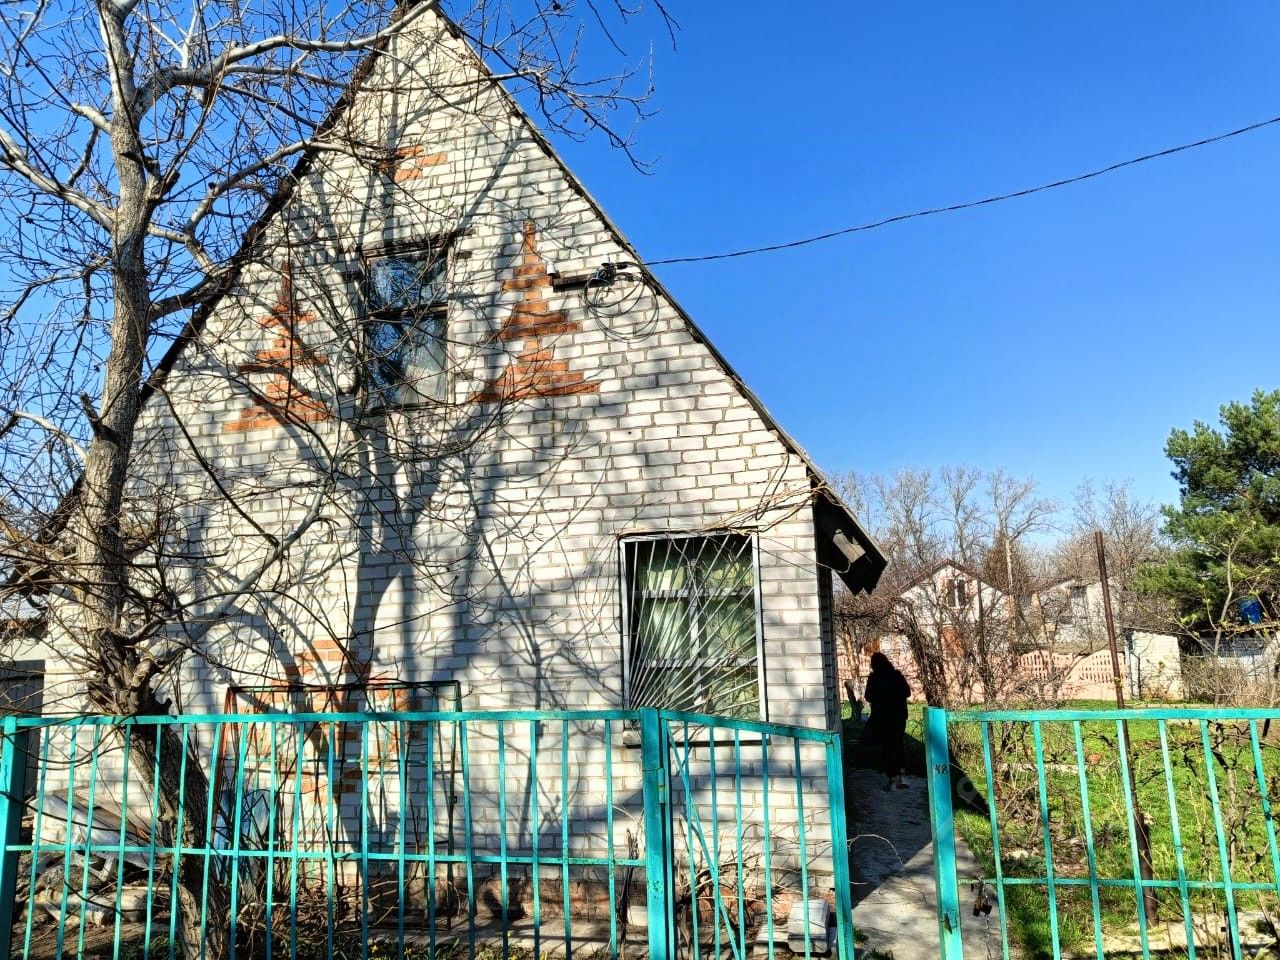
column 1078, row 603
column 441, row 247
column 958, row 587
column 626, row 543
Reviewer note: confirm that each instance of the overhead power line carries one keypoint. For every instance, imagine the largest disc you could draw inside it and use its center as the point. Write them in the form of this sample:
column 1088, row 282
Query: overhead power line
column 967, row 205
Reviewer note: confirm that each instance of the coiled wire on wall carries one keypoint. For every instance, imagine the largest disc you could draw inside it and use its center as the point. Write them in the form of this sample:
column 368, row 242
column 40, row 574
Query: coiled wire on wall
column 608, row 312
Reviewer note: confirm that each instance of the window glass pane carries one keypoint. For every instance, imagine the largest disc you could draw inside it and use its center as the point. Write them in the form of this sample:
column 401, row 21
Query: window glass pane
column 662, row 630
column 693, row 625
column 660, row 568
column 407, row 357
column 730, row 627
column 405, row 327
column 726, row 565
column 385, row 347
column 408, row 282
column 673, row 689
column 734, row 693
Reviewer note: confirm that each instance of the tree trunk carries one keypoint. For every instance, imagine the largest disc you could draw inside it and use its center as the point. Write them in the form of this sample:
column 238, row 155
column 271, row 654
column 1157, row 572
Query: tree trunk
column 201, row 901
column 182, row 796
column 929, row 665
column 986, row 674
column 122, row 680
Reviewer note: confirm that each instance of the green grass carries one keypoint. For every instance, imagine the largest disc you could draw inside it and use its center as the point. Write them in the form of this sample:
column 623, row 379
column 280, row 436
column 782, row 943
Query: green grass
column 1022, row 835
column 1021, row 831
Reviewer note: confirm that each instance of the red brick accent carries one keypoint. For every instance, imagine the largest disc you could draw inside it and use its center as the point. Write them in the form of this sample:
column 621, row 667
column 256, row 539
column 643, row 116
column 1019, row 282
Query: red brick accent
column 525, row 283
column 282, row 400
column 513, row 388
column 535, row 308
column 534, row 372
column 537, row 355
column 410, row 163
column 328, row 660
column 524, row 328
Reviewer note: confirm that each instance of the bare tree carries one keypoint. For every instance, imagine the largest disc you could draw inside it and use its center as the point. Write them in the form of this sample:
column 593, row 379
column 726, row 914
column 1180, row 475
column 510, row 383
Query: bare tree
column 939, row 530
column 1130, row 528
column 144, row 149
column 1131, row 534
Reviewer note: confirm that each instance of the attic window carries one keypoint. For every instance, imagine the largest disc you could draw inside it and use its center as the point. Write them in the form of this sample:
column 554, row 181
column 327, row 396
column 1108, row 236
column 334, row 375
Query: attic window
column 957, row 591
column 405, row 325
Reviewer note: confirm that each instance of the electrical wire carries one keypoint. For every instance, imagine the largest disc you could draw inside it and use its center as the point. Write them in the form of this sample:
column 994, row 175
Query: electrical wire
column 967, row 205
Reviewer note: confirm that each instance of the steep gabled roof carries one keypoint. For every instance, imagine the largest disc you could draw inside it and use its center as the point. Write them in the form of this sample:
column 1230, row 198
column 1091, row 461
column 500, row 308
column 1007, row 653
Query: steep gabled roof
column 941, row 565
column 843, row 544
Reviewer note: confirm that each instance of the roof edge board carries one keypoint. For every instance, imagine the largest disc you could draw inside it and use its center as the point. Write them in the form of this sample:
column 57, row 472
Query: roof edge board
column 818, row 478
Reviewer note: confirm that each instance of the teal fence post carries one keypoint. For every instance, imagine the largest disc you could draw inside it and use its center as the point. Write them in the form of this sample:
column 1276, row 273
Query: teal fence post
column 942, row 821
column 13, row 776
column 840, row 848
column 654, row 757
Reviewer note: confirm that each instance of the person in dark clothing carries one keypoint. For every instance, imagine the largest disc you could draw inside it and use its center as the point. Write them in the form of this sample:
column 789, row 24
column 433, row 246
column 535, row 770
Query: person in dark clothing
column 887, row 694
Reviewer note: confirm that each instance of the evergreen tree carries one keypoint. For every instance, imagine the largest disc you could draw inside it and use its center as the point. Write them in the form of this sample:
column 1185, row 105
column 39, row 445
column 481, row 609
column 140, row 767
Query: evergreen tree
column 1223, row 575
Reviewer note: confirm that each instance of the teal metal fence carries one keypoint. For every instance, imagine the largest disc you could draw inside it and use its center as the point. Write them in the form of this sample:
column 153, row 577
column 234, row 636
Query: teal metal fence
column 1145, row 832
column 519, row 833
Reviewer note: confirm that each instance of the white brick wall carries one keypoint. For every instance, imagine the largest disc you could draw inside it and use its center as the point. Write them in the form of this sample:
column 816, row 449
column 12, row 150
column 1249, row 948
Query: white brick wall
column 476, row 542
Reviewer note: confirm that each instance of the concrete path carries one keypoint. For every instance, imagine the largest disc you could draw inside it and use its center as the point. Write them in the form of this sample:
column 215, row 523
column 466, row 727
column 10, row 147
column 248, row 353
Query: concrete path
column 894, row 897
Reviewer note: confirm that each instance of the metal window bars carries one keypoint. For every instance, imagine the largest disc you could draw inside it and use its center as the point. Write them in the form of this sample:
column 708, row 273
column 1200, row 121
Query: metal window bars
column 693, row 624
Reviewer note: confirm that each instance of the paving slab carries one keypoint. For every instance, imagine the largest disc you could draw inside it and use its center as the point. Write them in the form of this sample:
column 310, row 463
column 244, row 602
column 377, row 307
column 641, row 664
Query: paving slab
column 895, row 899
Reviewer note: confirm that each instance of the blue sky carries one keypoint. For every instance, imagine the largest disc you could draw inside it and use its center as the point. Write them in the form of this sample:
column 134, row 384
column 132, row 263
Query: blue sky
column 1059, row 336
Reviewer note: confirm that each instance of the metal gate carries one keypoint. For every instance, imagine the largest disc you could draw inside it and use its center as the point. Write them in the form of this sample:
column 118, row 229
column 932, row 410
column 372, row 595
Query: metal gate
column 1139, row 832
column 755, row 834
column 422, row 834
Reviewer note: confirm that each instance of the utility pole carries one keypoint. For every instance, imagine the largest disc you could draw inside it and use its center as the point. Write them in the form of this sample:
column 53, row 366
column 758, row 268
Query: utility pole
column 1008, row 563
column 985, row 672
column 1150, row 904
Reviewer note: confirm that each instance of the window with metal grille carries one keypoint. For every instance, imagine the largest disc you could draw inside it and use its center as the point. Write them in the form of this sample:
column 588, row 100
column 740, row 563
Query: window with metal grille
column 405, row 326
column 692, row 624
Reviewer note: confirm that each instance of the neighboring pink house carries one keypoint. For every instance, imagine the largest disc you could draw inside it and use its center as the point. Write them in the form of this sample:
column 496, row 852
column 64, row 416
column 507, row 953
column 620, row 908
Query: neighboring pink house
column 949, row 601
column 954, row 605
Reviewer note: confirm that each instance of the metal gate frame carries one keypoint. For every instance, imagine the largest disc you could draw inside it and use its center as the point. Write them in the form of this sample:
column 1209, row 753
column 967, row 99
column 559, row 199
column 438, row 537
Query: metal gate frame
column 661, row 859
column 659, row 745
column 1137, row 877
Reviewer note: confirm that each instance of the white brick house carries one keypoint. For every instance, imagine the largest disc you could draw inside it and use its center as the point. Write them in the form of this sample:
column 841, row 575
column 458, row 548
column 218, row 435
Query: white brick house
column 510, row 442
column 508, row 457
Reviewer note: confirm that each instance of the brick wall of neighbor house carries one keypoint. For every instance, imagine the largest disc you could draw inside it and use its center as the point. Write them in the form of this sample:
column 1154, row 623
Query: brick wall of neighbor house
column 475, row 541
column 1154, row 662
